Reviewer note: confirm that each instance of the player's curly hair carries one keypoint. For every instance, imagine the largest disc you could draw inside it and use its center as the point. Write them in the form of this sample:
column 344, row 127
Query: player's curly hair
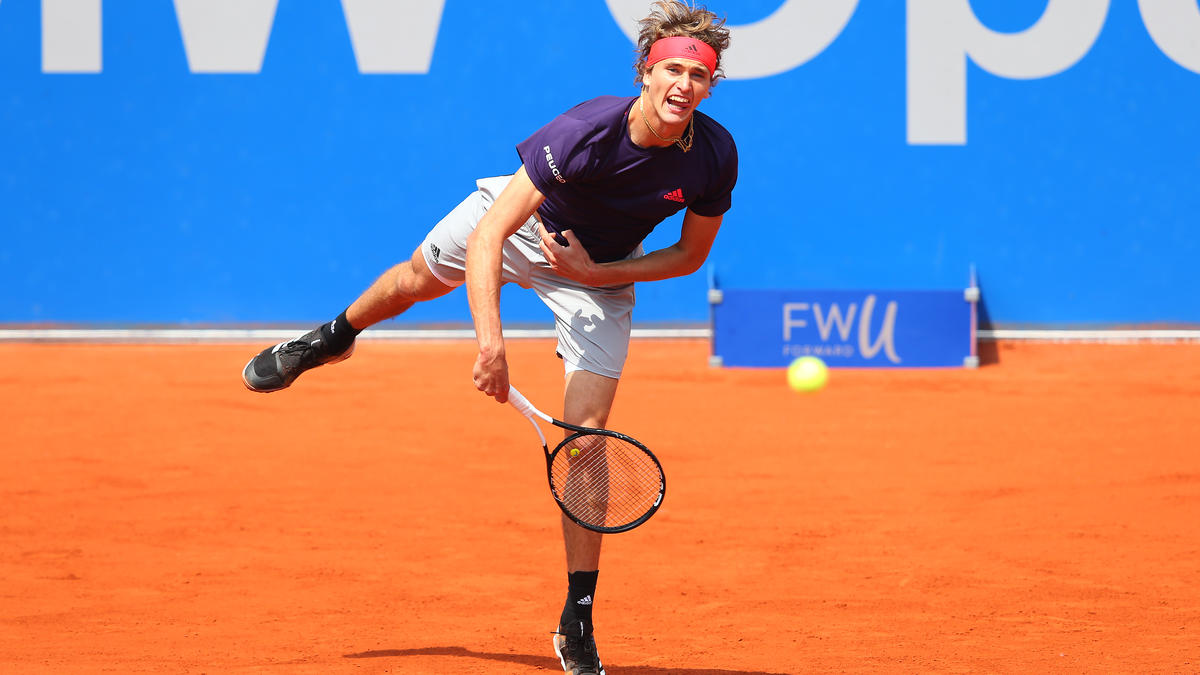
column 673, row 18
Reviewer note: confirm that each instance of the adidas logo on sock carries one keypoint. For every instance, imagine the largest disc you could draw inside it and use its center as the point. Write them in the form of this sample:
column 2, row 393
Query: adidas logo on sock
column 586, row 600
column 675, row 195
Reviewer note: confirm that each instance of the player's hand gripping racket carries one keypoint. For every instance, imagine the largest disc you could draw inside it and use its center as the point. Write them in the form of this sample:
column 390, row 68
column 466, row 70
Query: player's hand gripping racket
column 603, row 480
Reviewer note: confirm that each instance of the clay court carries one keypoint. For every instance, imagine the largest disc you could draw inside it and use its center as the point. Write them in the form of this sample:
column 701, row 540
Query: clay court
column 1040, row 514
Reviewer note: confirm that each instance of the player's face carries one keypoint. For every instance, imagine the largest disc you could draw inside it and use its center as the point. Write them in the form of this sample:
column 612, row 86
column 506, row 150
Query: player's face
column 676, row 87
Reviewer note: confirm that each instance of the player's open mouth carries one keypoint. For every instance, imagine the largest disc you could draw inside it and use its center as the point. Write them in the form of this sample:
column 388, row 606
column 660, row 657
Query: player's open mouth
column 678, row 104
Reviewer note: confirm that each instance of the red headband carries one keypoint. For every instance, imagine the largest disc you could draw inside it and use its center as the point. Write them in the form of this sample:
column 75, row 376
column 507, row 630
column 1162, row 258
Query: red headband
column 683, row 48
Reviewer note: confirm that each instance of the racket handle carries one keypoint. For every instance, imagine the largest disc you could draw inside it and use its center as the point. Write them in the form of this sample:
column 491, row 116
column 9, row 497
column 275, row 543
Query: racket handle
column 518, row 401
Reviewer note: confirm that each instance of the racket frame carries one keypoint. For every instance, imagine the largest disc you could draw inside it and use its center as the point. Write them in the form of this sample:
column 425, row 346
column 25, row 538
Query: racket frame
column 522, row 404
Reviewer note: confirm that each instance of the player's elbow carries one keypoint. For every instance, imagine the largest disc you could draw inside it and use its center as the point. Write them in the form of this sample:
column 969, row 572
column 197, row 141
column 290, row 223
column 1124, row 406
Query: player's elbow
column 473, row 239
column 482, row 239
column 692, row 265
column 681, row 268
column 691, row 259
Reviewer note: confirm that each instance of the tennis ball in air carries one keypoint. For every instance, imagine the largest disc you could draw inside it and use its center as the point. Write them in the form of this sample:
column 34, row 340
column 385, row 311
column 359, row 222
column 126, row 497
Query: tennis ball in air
column 574, row 452
column 807, row 373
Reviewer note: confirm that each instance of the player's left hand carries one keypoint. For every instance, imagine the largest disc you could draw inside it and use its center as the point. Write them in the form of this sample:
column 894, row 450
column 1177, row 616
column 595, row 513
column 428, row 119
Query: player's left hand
column 571, row 261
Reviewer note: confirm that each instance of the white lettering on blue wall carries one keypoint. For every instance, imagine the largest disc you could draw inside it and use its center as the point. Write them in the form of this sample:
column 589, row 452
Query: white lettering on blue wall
column 942, row 36
column 225, row 36
column 71, row 36
column 887, row 331
column 231, row 36
column 833, row 317
column 826, row 321
column 1174, row 25
column 790, row 321
column 376, row 24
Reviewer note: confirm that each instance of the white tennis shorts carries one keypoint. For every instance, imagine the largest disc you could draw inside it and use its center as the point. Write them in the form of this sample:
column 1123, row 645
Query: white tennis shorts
column 592, row 324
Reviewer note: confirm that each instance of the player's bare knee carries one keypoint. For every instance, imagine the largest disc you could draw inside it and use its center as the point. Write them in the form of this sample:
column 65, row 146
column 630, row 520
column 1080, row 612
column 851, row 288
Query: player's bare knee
column 415, row 281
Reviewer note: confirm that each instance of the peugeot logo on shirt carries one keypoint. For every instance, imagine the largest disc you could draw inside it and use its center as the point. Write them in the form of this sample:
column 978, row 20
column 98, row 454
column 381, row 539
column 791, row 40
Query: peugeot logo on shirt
column 553, row 167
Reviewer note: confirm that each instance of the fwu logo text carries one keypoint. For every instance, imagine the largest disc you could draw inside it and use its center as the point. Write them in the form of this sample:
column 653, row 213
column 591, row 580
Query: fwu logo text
column 830, row 317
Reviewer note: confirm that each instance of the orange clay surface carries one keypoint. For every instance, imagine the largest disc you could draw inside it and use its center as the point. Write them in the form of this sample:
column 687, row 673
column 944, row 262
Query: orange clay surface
column 1038, row 515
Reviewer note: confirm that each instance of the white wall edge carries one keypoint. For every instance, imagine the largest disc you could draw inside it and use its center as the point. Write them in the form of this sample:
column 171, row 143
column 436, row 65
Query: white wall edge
column 277, row 334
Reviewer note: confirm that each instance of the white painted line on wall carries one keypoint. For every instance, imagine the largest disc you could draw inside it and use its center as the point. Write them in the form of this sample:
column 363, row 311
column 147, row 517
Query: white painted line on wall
column 277, row 334
column 1114, row 335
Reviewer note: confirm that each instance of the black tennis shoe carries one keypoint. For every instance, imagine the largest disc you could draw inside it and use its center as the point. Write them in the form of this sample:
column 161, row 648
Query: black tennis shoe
column 576, row 650
column 275, row 368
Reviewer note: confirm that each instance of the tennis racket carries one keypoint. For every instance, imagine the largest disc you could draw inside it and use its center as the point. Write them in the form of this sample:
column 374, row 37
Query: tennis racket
column 603, row 480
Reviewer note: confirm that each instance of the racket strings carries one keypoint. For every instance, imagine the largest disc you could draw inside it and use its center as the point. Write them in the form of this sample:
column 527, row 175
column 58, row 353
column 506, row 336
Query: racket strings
column 605, row 481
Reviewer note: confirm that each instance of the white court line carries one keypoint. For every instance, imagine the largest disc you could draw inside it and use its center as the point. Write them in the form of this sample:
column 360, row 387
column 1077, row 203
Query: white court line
column 1114, row 335
column 276, row 334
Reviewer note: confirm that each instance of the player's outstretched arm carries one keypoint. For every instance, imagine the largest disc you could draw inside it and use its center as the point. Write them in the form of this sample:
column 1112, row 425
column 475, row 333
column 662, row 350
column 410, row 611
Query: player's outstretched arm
column 681, row 258
column 485, row 245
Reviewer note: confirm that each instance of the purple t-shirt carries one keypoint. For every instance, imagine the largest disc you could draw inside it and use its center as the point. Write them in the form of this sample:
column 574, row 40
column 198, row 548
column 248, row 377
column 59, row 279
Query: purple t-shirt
column 612, row 193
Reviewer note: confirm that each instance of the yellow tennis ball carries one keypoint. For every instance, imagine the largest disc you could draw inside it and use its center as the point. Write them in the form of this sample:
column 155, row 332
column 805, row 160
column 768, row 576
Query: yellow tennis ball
column 574, row 452
column 807, row 373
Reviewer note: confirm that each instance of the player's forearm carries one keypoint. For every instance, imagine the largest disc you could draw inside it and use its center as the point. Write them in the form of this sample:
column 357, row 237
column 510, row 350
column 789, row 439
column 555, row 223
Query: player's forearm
column 485, row 249
column 483, row 291
column 682, row 258
column 667, row 263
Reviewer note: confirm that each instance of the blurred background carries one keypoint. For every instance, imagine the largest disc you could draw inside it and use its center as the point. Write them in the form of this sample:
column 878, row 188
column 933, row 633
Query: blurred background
column 233, row 162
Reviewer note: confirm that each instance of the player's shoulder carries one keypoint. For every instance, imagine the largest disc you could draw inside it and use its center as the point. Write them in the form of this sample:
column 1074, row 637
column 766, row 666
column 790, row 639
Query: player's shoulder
column 601, row 110
column 712, row 129
column 597, row 122
column 716, row 138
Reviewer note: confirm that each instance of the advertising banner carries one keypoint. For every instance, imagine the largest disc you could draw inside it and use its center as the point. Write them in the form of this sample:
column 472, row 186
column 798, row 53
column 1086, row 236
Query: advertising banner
column 844, row 328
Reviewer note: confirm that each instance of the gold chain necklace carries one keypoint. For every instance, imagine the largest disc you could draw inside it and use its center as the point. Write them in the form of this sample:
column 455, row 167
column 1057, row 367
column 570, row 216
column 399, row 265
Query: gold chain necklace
column 684, row 144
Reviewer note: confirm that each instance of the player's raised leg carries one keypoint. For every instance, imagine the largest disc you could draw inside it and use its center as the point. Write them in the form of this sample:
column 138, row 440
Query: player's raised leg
column 392, row 293
column 587, row 401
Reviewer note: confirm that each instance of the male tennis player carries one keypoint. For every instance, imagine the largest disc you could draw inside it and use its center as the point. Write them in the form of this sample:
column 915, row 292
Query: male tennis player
column 569, row 224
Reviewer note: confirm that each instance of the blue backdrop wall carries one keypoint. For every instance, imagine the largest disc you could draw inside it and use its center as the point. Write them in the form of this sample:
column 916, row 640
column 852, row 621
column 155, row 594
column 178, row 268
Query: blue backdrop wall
column 217, row 161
